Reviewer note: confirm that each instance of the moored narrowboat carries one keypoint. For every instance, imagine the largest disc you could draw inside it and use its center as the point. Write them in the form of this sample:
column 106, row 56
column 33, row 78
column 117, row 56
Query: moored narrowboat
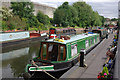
column 101, row 32
column 64, row 31
column 61, row 54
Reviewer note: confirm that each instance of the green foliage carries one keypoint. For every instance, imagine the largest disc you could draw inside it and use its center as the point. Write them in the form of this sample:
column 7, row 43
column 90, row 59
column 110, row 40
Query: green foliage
column 86, row 16
column 97, row 21
column 51, row 21
column 65, row 15
column 23, row 9
column 4, row 25
column 114, row 19
column 6, row 13
column 105, row 70
column 33, row 29
column 80, row 14
column 43, row 18
column 15, row 22
column 22, row 17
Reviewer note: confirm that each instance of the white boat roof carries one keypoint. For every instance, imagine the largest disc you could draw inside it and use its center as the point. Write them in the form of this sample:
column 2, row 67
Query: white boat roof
column 73, row 38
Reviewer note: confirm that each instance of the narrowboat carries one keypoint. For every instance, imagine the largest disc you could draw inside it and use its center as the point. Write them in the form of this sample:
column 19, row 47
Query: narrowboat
column 64, row 31
column 61, row 54
column 101, row 32
column 9, row 38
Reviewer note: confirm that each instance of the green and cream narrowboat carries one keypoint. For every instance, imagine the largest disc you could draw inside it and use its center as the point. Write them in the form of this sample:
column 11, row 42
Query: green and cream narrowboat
column 61, row 54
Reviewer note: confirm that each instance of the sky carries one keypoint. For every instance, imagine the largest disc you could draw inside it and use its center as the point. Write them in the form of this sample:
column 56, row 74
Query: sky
column 106, row 8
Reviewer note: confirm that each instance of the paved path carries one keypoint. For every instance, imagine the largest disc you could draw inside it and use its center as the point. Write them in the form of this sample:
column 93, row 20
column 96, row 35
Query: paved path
column 95, row 60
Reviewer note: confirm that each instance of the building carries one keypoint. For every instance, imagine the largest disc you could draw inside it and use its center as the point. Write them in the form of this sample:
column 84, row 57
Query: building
column 119, row 9
column 47, row 10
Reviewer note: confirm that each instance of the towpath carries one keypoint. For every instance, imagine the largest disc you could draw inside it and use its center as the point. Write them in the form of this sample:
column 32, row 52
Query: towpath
column 94, row 60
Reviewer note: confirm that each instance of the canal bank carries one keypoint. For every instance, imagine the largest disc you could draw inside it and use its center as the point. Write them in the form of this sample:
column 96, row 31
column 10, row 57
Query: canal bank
column 94, row 60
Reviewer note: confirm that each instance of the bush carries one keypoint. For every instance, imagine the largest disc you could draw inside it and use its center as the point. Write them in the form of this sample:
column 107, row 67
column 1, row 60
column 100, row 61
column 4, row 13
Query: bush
column 33, row 29
column 4, row 26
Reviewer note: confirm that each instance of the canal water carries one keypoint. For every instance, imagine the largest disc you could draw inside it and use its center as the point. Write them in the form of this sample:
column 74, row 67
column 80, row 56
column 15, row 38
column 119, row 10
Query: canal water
column 15, row 58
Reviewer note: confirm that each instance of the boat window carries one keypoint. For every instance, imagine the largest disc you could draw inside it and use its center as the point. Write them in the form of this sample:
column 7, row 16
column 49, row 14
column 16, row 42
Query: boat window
column 91, row 41
column 73, row 50
column 63, row 31
column 94, row 40
column 68, row 30
column 44, row 51
column 53, row 52
column 86, row 43
column 50, row 48
column 61, row 55
column 97, row 38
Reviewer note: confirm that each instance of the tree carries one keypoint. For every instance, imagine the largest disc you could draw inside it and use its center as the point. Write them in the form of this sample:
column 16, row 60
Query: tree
column 6, row 13
column 65, row 15
column 114, row 19
column 25, row 11
column 15, row 22
column 84, row 14
column 43, row 18
column 102, row 20
column 22, row 9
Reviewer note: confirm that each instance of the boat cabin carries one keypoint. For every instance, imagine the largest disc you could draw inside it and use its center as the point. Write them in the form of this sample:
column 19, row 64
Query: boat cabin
column 61, row 50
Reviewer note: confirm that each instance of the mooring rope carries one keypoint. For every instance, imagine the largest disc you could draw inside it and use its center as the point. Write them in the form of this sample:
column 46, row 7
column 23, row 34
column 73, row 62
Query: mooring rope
column 44, row 71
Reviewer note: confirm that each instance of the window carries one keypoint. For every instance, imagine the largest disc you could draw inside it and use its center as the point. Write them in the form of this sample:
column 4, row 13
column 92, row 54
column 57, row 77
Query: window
column 94, row 40
column 53, row 52
column 64, row 31
column 61, row 54
column 86, row 43
column 43, row 51
column 97, row 39
column 73, row 49
column 91, row 41
column 68, row 30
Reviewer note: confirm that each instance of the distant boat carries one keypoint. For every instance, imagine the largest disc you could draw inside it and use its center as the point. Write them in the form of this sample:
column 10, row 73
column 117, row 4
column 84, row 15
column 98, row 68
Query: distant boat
column 11, row 38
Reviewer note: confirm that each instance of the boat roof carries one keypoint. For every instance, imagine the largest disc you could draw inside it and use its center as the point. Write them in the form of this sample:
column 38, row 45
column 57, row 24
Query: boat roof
column 72, row 38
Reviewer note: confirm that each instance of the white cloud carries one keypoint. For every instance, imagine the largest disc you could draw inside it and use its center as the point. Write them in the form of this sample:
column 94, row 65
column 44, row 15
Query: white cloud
column 75, row 0
column 53, row 3
column 54, row 0
column 106, row 9
column 101, row 0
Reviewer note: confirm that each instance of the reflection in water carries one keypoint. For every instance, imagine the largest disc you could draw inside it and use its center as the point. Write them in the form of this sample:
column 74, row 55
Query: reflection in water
column 14, row 53
column 14, row 61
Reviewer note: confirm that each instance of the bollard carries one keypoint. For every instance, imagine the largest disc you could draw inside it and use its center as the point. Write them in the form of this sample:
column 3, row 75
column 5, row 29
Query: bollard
column 106, row 36
column 82, row 51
